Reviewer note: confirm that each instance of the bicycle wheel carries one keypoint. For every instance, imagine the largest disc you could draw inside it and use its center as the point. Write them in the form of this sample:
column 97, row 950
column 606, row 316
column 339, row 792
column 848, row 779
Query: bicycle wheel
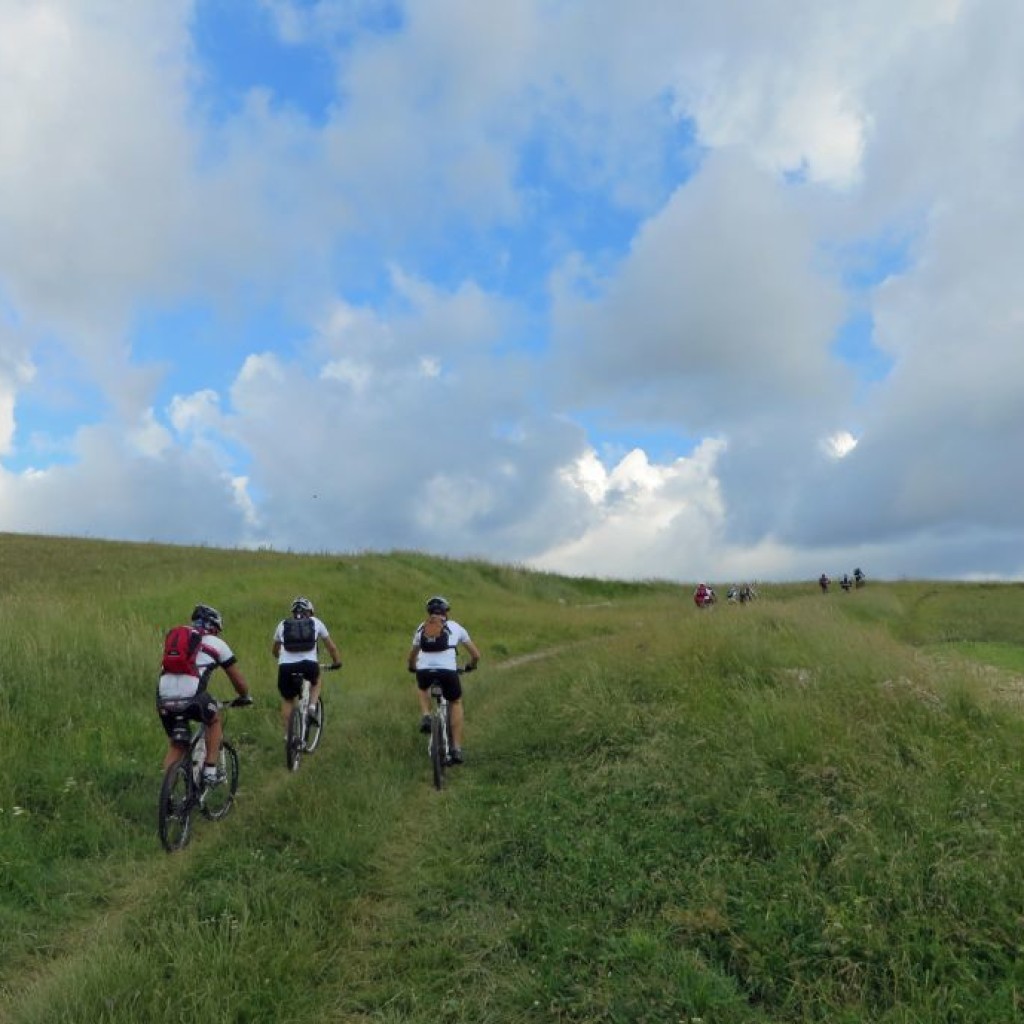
column 437, row 750
column 314, row 727
column 293, row 744
column 176, row 805
column 218, row 800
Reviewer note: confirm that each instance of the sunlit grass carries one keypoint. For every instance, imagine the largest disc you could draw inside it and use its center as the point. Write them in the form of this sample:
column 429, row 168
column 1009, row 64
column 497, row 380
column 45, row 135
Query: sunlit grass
column 803, row 810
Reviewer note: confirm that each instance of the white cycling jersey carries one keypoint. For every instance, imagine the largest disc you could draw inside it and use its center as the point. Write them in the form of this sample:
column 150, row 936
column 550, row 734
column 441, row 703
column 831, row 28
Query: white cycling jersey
column 457, row 634
column 291, row 657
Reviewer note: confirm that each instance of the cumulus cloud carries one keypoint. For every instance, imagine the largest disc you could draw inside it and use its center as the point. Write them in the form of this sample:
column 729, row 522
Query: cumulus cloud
column 717, row 313
column 502, row 229
column 131, row 487
column 395, row 457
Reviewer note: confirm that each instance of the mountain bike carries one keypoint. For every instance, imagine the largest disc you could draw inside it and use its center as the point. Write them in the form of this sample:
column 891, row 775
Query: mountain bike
column 183, row 789
column 439, row 746
column 304, row 729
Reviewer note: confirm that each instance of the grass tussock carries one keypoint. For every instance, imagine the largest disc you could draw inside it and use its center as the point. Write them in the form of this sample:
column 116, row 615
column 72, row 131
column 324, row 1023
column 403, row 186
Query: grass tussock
column 803, row 810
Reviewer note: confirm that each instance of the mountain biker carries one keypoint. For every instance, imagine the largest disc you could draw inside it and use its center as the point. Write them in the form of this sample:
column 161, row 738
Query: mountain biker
column 846, row 582
column 184, row 695
column 295, row 647
column 433, row 659
column 858, row 577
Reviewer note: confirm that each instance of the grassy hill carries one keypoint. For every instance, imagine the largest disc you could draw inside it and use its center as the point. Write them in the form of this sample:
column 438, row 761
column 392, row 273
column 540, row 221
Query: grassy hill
column 803, row 810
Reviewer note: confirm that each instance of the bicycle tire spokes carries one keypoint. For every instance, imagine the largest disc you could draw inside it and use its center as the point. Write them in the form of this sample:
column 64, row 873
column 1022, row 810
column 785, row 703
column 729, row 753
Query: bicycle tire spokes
column 437, row 758
column 218, row 800
column 314, row 727
column 296, row 738
column 177, row 802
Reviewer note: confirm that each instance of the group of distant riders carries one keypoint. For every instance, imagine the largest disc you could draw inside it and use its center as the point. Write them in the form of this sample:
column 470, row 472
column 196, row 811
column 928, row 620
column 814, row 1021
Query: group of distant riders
column 705, row 596
column 846, row 582
column 192, row 653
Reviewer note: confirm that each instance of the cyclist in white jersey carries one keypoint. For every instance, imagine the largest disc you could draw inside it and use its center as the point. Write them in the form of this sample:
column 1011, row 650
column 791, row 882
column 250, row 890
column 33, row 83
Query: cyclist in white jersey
column 433, row 658
column 295, row 647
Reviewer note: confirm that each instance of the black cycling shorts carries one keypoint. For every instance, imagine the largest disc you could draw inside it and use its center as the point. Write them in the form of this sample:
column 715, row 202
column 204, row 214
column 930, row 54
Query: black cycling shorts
column 451, row 684
column 173, row 712
column 287, row 685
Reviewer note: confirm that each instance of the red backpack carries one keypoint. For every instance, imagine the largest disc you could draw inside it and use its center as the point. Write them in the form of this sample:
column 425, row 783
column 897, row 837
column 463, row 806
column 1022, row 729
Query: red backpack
column 181, row 646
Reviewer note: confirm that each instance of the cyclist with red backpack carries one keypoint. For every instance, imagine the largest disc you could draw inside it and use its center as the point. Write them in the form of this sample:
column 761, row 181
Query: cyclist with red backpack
column 432, row 658
column 191, row 655
column 295, row 647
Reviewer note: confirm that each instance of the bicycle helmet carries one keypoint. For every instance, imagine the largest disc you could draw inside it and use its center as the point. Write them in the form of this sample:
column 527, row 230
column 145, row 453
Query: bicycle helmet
column 437, row 605
column 207, row 618
column 302, row 606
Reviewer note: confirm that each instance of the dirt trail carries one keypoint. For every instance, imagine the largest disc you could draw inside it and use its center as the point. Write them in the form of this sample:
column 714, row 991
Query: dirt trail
column 549, row 652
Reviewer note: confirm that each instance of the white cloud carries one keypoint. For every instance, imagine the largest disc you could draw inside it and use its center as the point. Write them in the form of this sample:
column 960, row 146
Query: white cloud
column 840, row 444
column 735, row 157
column 647, row 520
column 718, row 313
column 196, row 412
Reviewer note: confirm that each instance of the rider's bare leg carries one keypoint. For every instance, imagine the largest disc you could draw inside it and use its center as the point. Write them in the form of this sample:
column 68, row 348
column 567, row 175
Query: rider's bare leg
column 214, row 734
column 455, row 707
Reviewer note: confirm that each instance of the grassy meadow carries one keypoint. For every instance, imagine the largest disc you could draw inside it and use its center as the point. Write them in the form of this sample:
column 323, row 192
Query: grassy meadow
column 810, row 809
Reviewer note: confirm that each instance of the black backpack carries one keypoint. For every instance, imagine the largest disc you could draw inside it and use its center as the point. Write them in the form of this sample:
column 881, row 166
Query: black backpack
column 299, row 635
column 435, row 636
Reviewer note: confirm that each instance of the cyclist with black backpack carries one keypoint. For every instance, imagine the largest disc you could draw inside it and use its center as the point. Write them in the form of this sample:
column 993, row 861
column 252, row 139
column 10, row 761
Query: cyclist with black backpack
column 191, row 655
column 295, row 647
column 432, row 658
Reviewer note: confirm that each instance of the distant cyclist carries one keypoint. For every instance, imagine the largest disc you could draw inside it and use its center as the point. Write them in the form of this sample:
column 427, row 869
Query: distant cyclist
column 846, row 582
column 183, row 694
column 858, row 578
column 295, row 647
column 432, row 658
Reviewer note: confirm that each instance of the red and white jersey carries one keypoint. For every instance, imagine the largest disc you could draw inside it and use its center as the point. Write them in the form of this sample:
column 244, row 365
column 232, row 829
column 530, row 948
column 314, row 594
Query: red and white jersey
column 213, row 652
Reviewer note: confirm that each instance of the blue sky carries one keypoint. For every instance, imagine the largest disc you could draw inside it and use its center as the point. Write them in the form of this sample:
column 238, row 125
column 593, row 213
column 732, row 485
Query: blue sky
column 678, row 290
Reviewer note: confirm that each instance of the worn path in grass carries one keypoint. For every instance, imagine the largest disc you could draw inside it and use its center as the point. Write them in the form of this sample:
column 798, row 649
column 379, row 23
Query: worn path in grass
column 44, row 977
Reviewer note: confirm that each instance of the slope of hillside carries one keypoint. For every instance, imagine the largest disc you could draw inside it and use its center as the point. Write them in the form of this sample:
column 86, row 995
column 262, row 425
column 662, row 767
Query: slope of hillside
column 803, row 810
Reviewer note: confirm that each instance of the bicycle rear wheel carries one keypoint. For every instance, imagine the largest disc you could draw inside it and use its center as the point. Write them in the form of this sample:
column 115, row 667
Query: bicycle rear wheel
column 293, row 744
column 437, row 750
column 176, row 805
column 315, row 727
column 218, row 800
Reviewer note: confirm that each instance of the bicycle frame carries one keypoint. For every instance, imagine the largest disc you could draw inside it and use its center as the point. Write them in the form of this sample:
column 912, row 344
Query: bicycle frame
column 298, row 741
column 439, row 744
column 179, row 802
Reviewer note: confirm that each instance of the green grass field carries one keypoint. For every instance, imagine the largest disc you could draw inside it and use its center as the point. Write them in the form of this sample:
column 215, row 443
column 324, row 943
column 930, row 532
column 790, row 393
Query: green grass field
column 808, row 809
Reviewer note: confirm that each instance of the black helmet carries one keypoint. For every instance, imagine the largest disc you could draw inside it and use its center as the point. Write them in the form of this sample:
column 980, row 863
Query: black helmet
column 302, row 606
column 438, row 605
column 207, row 618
